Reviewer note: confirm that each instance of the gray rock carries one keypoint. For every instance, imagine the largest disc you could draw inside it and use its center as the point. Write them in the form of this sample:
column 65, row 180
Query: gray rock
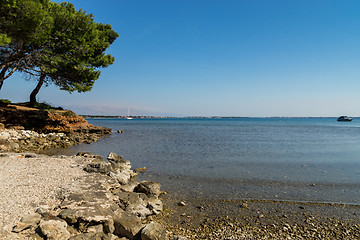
column 95, row 229
column 90, row 236
column 136, row 203
column 149, row 188
column 54, row 230
column 26, row 222
column 14, row 145
column 153, row 231
column 116, row 158
column 92, row 156
column 109, row 226
column 4, row 136
column 127, row 225
column 178, row 238
column 99, row 167
column 123, row 177
column 68, row 215
column 155, row 205
column 30, row 155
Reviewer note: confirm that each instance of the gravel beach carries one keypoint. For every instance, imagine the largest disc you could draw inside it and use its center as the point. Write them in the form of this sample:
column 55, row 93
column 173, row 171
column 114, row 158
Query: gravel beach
column 28, row 181
column 196, row 218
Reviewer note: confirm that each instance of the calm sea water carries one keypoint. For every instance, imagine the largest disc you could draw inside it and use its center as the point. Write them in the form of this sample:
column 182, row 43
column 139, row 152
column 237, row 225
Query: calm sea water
column 314, row 159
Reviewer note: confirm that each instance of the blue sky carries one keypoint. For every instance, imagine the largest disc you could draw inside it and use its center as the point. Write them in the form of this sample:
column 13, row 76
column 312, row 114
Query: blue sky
column 224, row 58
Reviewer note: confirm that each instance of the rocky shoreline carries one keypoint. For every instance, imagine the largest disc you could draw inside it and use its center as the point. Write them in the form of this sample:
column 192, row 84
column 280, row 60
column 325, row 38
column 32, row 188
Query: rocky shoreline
column 12, row 140
column 24, row 128
column 103, row 202
column 85, row 197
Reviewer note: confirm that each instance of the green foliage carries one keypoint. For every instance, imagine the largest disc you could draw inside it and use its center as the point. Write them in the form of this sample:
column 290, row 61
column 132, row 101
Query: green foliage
column 24, row 27
column 4, row 39
column 45, row 106
column 54, row 39
column 77, row 49
column 26, row 21
column 68, row 113
column 6, row 101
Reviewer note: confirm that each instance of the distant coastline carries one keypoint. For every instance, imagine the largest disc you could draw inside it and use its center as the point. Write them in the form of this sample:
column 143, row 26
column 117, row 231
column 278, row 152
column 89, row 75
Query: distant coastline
column 194, row 117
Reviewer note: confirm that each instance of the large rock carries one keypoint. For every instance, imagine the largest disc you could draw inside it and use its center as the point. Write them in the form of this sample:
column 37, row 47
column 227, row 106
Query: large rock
column 127, row 225
column 122, row 176
column 155, row 205
column 120, row 168
column 149, row 188
column 90, row 236
column 92, row 156
column 114, row 157
column 54, row 230
column 153, row 231
column 26, row 222
column 99, row 167
column 69, row 215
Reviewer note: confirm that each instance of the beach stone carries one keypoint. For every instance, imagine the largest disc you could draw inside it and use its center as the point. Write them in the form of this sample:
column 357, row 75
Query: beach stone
column 54, row 230
column 127, row 225
column 30, row 155
column 178, row 238
column 149, row 188
column 14, row 145
column 182, row 204
column 155, row 205
column 27, row 222
column 4, row 136
column 153, row 231
column 90, row 236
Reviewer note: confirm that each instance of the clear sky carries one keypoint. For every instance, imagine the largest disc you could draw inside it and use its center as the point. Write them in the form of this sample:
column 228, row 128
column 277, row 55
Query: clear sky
column 221, row 57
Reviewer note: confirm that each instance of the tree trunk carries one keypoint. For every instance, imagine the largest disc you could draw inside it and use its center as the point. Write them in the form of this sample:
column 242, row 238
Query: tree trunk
column 2, row 77
column 37, row 89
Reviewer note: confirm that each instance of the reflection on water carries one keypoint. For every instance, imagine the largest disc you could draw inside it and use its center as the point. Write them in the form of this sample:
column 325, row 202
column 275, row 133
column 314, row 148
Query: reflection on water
column 301, row 159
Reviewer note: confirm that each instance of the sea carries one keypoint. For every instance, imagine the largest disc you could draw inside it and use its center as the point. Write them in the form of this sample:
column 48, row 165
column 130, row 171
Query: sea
column 282, row 159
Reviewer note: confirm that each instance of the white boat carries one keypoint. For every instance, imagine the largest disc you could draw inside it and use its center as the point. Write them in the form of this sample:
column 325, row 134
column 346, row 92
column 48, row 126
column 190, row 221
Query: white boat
column 128, row 116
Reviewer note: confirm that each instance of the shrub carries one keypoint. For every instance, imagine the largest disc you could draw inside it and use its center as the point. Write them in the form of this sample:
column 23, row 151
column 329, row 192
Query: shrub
column 68, row 113
column 46, row 106
column 6, row 101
